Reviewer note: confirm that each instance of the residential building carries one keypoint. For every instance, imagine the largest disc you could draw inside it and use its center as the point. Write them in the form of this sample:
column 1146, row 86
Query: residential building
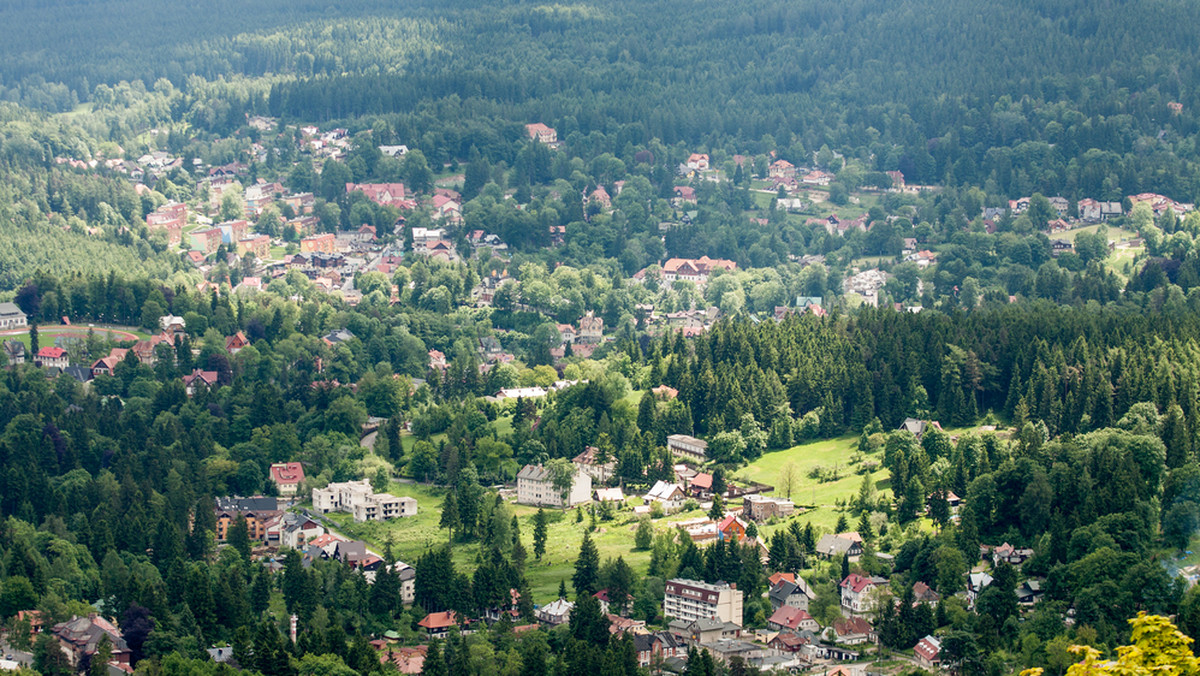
column 535, row 486
column 437, row 625
column 555, row 613
column 11, row 317
column 692, row 600
column 928, row 652
column 205, row 241
column 80, row 637
column 781, row 169
column 731, row 529
column 541, row 133
column 191, row 382
column 704, row 630
column 359, row 499
column 700, row 485
column 683, row 445
column 1011, row 555
column 591, row 328
column 383, row 194
column 856, row 591
column 762, row 508
column 287, row 477
column 609, row 495
column 696, row 270
column 235, row 343
column 52, row 357
column 853, row 631
column 234, row 231
column 790, row 619
column 669, row 495
column 918, row 427
column 259, row 246
column 257, row 510
column 589, row 462
column 698, row 162
column 323, row 243
column 172, row 324
column 795, row 593
column 14, row 352
column 838, row 545
column 1030, row 592
column 976, row 582
column 922, row 593
column 656, row 647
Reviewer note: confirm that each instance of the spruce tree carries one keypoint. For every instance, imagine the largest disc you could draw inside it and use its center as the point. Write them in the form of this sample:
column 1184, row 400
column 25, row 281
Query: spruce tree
column 539, row 533
column 587, row 567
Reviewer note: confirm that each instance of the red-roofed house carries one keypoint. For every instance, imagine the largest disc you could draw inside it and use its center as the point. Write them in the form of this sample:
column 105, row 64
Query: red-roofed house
column 781, row 169
column 856, row 593
column 701, row 484
column 694, row 269
column 446, row 209
column 698, row 162
column 541, row 133
column 777, row 577
column 928, row 652
column 287, row 477
column 197, row 378
column 383, row 194
column 437, row 625
column 731, row 528
column 52, row 357
column 787, row 618
column 106, row 365
column 235, row 343
column 853, row 630
column 685, row 193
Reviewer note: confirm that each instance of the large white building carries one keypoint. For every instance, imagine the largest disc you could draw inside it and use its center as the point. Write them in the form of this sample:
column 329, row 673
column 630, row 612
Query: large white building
column 535, row 486
column 11, row 317
column 691, row 600
column 359, row 499
column 687, row 446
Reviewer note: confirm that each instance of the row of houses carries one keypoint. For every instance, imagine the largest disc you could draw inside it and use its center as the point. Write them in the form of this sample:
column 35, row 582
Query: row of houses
column 360, row 499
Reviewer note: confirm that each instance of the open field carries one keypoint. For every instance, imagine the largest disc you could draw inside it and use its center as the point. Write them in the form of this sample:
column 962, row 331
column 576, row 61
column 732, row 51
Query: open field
column 819, row 499
column 414, row 536
column 47, row 334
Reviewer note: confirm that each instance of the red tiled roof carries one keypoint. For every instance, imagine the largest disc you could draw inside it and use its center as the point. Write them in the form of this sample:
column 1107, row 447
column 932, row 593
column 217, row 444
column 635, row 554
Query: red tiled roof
column 287, row 473
column 51, row 352
column 442, row 620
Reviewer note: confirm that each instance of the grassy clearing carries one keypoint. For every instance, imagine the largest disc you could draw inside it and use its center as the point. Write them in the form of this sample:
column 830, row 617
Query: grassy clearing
column 414, row 536
column 819, row 499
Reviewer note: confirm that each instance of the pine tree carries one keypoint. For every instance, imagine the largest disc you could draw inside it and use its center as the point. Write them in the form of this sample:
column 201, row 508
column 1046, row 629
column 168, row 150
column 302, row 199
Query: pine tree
column 845, row 566
column 539, row 533
column 717, row 511
column 587, row 567
column 434, row 664
column 238, row 536
column 450, row 517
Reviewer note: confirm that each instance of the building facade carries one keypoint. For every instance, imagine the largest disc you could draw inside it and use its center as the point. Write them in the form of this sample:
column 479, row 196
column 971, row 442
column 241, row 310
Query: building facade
column 691, row 600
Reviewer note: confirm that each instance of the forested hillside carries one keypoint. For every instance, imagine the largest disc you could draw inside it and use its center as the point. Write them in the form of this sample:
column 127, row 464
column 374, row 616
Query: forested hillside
column 1022, row 96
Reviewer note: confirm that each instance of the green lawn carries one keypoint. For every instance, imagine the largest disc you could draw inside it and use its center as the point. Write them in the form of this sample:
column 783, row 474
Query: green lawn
column 414, row 536
column 817, row 499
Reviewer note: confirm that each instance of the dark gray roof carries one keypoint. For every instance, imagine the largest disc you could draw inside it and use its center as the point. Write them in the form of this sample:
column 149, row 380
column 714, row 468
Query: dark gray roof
column 255, row 504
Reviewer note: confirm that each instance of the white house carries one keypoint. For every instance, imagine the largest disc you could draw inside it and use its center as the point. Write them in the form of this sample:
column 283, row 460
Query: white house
column 359, row 499
column 535, row 486
column 11, row 316
column 555, row 613
column 670, row 496
column 856, row 593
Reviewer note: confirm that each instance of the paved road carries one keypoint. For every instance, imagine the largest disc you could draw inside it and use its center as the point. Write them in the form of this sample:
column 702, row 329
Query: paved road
column 9, row 653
